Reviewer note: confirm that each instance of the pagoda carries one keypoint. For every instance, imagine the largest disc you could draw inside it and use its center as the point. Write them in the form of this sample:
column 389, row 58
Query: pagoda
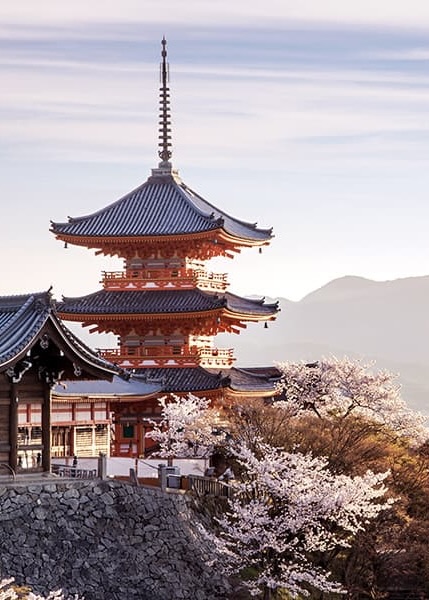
column 165, row 306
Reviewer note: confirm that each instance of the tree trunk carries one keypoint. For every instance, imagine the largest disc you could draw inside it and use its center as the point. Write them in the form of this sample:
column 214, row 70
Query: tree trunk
column 267, row 593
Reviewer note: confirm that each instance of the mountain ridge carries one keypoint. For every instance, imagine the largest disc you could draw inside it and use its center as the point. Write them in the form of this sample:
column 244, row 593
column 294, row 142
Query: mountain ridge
column 382, row 321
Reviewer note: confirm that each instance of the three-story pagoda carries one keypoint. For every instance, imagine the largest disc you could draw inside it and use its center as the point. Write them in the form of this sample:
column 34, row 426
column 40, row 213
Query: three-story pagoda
column 165, row 307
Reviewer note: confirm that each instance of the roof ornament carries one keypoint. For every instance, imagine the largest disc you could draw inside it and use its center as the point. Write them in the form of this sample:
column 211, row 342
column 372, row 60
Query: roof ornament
column 164, row 110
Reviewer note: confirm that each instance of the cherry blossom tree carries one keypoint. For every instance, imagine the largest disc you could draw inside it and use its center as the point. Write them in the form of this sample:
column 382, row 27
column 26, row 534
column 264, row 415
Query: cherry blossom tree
column 287, row 508
column 339, row 388
column 305, row 496
column 9, row 591
column 188, row 427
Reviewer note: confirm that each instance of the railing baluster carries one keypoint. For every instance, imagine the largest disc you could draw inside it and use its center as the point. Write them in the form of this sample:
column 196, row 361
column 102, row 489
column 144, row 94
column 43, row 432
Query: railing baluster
column 73, row 472
column 206, row 486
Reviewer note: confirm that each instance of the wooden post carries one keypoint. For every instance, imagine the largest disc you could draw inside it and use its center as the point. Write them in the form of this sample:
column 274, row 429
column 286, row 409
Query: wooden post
column 108, row 450
column 102, row 466
column 13, row 427
column 94, row 448
column 141, row 431
column 267, row 593
column 162, row 477
column 46, row 428
column 143, row 434
column 73, row 449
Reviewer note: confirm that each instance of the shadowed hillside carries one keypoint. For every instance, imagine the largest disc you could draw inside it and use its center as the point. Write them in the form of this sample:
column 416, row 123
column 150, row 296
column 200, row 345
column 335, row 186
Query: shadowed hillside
column 383, row 321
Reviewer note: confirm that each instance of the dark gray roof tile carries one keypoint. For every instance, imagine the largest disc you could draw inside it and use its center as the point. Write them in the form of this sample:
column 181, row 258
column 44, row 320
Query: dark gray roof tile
column 24, row 318
column 161, row 302
column 187, row 379
column 249, row 379
column 21, row 319
column 197, row 379
column 160, row 206
column 131, row 387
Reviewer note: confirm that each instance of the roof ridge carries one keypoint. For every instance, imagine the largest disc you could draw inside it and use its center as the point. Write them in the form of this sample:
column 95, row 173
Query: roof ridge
column 225, row 214
column 81, row 347
column 31, row 299
column 103, row 209
column 259, row 300
column 210, row 216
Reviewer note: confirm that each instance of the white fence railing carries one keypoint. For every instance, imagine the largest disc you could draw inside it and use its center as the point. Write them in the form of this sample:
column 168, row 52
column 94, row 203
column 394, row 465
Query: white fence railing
column 143, row 467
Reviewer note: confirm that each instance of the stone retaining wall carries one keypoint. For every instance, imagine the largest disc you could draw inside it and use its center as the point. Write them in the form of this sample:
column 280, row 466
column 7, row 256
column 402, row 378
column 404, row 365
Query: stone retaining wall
column 105, row 540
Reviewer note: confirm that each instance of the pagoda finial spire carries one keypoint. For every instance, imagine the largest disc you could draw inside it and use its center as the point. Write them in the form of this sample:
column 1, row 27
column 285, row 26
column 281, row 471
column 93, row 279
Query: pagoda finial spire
column 164, row 110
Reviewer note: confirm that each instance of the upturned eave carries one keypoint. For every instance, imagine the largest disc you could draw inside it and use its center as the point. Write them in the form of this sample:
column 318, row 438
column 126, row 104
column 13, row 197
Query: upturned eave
column 220, row 237
column 92, row 318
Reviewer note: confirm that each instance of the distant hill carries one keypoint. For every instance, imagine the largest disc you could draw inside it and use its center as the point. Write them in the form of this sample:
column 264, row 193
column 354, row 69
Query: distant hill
column 383, row 321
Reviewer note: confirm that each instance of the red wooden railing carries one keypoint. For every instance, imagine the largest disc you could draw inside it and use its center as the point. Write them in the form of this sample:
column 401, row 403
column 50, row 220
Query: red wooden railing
column 139, row 356
column 153, row 279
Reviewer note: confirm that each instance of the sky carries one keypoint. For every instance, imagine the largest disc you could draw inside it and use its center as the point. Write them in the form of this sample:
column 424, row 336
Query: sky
column 311, row 117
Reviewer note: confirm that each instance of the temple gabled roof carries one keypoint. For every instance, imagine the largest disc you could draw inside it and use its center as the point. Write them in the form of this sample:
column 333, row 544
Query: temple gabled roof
column 119, row 388
column 144, row 303
column 21, row 319
column 162, row 206
column 26, row 319
column 253, row 380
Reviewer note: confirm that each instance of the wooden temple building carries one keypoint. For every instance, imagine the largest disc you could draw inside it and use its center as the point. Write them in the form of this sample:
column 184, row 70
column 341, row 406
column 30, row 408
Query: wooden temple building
column 165, row 306
column 36, row 352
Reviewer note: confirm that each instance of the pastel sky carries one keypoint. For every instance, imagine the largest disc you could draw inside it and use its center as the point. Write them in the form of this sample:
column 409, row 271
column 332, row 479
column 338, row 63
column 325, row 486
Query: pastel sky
column 308, row 116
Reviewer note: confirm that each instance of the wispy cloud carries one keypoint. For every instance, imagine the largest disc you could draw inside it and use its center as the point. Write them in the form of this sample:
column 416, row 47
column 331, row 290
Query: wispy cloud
column 108, row 110
column 222, row 12
column 312, row 116
column 410, row 54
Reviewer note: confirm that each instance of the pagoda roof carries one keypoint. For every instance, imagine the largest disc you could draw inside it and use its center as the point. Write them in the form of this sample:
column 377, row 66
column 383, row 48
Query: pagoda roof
column 25, row 319
column 162, row 209
column 260, row 381
column 141, row 302
column 150, row 381
column 163, row 206
column 186, row 379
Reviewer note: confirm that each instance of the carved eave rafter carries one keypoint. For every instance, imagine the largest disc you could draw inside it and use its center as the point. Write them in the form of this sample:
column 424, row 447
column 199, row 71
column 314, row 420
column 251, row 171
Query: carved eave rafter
column 236, row 242
column 208, row 323
column 240, row 394
column 51, row 355
column 199, row 246
column 206, row 394
column 236, row 317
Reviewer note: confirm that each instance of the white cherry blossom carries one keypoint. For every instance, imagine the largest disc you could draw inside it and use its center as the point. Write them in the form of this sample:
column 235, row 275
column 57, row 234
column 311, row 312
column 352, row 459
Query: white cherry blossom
column 188, row 427
column 287, row 507
column 335, row 387
column 8, row 592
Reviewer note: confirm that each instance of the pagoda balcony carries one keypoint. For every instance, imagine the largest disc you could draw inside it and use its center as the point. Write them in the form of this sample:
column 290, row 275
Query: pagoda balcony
column 159, row 279
column 137, row 357
column 215, row 357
